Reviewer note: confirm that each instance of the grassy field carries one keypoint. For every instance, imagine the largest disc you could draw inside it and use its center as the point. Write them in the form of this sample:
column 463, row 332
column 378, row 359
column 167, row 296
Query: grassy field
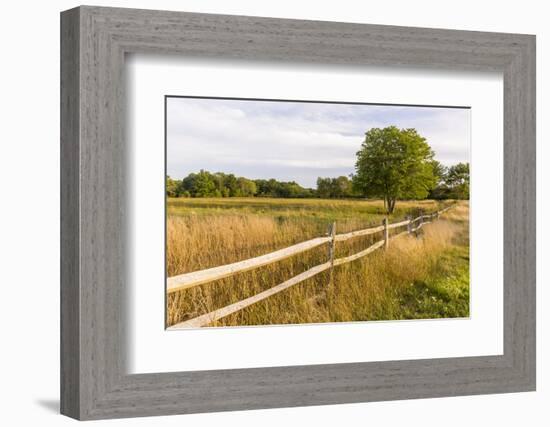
column 424, row 276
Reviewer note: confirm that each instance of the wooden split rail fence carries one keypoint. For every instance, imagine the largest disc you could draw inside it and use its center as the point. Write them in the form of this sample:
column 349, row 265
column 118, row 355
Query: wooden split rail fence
column 196, row 278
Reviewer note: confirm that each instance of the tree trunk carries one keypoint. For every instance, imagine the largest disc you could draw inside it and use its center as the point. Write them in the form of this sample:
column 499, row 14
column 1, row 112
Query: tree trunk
column 391, row 206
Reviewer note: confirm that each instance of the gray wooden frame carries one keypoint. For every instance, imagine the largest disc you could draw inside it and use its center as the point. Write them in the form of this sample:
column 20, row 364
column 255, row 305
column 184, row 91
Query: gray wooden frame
column 94, row 382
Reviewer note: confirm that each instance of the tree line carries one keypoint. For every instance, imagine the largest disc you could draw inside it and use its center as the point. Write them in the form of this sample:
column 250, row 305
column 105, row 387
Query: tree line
column 392, row 164
column 219, row 184
column 452, row 183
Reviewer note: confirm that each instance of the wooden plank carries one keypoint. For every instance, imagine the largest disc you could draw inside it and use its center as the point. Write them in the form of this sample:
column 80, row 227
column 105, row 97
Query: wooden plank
column 331, row 250
column 207, row 318
column 398, row 224
column 420, row 225
column 358, row 233
column 188, row 280
column 71, row 309
column 417, row 218
column 195, row 278
column 358, row 255
column 386, row 233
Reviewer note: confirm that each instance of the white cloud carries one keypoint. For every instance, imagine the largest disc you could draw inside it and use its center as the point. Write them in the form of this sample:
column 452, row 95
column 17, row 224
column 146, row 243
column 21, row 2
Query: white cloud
column 295, row 141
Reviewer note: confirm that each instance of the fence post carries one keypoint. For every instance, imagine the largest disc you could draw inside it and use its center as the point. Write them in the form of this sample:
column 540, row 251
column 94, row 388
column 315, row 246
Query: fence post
column 409, row 224
column 386, row 233
column 331, row 248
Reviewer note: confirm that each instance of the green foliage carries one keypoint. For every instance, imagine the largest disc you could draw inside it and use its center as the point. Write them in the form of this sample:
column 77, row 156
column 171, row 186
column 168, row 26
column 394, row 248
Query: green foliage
column 458, row 179
column 445, row 293
column 439, row 171
column 219, row 184
column 172, row 187
column 334, row 188
column 394, row 164
column 203, row 185
column 245, row 187
column 454, row 183
column 274, row 188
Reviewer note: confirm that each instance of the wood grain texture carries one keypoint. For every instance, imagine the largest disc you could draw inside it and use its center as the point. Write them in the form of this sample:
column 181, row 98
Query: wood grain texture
column 95, row 383
column 69, row 158
column 358, row 233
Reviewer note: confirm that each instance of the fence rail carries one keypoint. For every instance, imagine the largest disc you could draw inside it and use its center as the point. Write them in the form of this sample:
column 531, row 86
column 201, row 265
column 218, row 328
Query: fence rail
column 188, row 280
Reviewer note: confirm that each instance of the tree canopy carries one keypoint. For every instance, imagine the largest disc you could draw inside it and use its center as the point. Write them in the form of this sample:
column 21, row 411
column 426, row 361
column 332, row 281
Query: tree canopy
column 395, row 164
column 337, row 188
column 453, row 183
column 219, row 184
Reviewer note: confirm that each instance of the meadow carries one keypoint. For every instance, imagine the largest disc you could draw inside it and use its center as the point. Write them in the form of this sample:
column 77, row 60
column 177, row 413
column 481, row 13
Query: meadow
column 420, row 276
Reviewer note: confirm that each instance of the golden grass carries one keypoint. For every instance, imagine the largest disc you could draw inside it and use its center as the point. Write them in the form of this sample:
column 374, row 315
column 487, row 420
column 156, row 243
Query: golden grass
column 366, row 289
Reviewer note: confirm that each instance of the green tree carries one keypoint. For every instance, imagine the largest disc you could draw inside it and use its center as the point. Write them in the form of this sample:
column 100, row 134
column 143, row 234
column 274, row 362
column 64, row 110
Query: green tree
column 328, row 188
column 230, row 184
column 458, row 181
column 172, row 187
column 202, row 184
column 342, row 187
column 324, row 187
column 454, row 183
column 394, row 164
column 219, row 184
column 440, row 171
column 440, row 190
column 245, row 187
column 219, row 180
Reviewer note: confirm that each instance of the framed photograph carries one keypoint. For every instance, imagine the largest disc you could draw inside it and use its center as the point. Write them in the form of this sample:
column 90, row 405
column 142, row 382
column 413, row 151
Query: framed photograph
column 301, row 190
column 262, row 213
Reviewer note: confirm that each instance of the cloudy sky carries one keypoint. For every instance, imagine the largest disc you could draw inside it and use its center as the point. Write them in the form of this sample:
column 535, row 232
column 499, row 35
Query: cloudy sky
column 296, row 141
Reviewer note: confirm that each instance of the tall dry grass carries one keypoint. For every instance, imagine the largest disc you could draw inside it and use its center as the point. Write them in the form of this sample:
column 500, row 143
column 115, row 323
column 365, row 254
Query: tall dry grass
column 366, row 289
